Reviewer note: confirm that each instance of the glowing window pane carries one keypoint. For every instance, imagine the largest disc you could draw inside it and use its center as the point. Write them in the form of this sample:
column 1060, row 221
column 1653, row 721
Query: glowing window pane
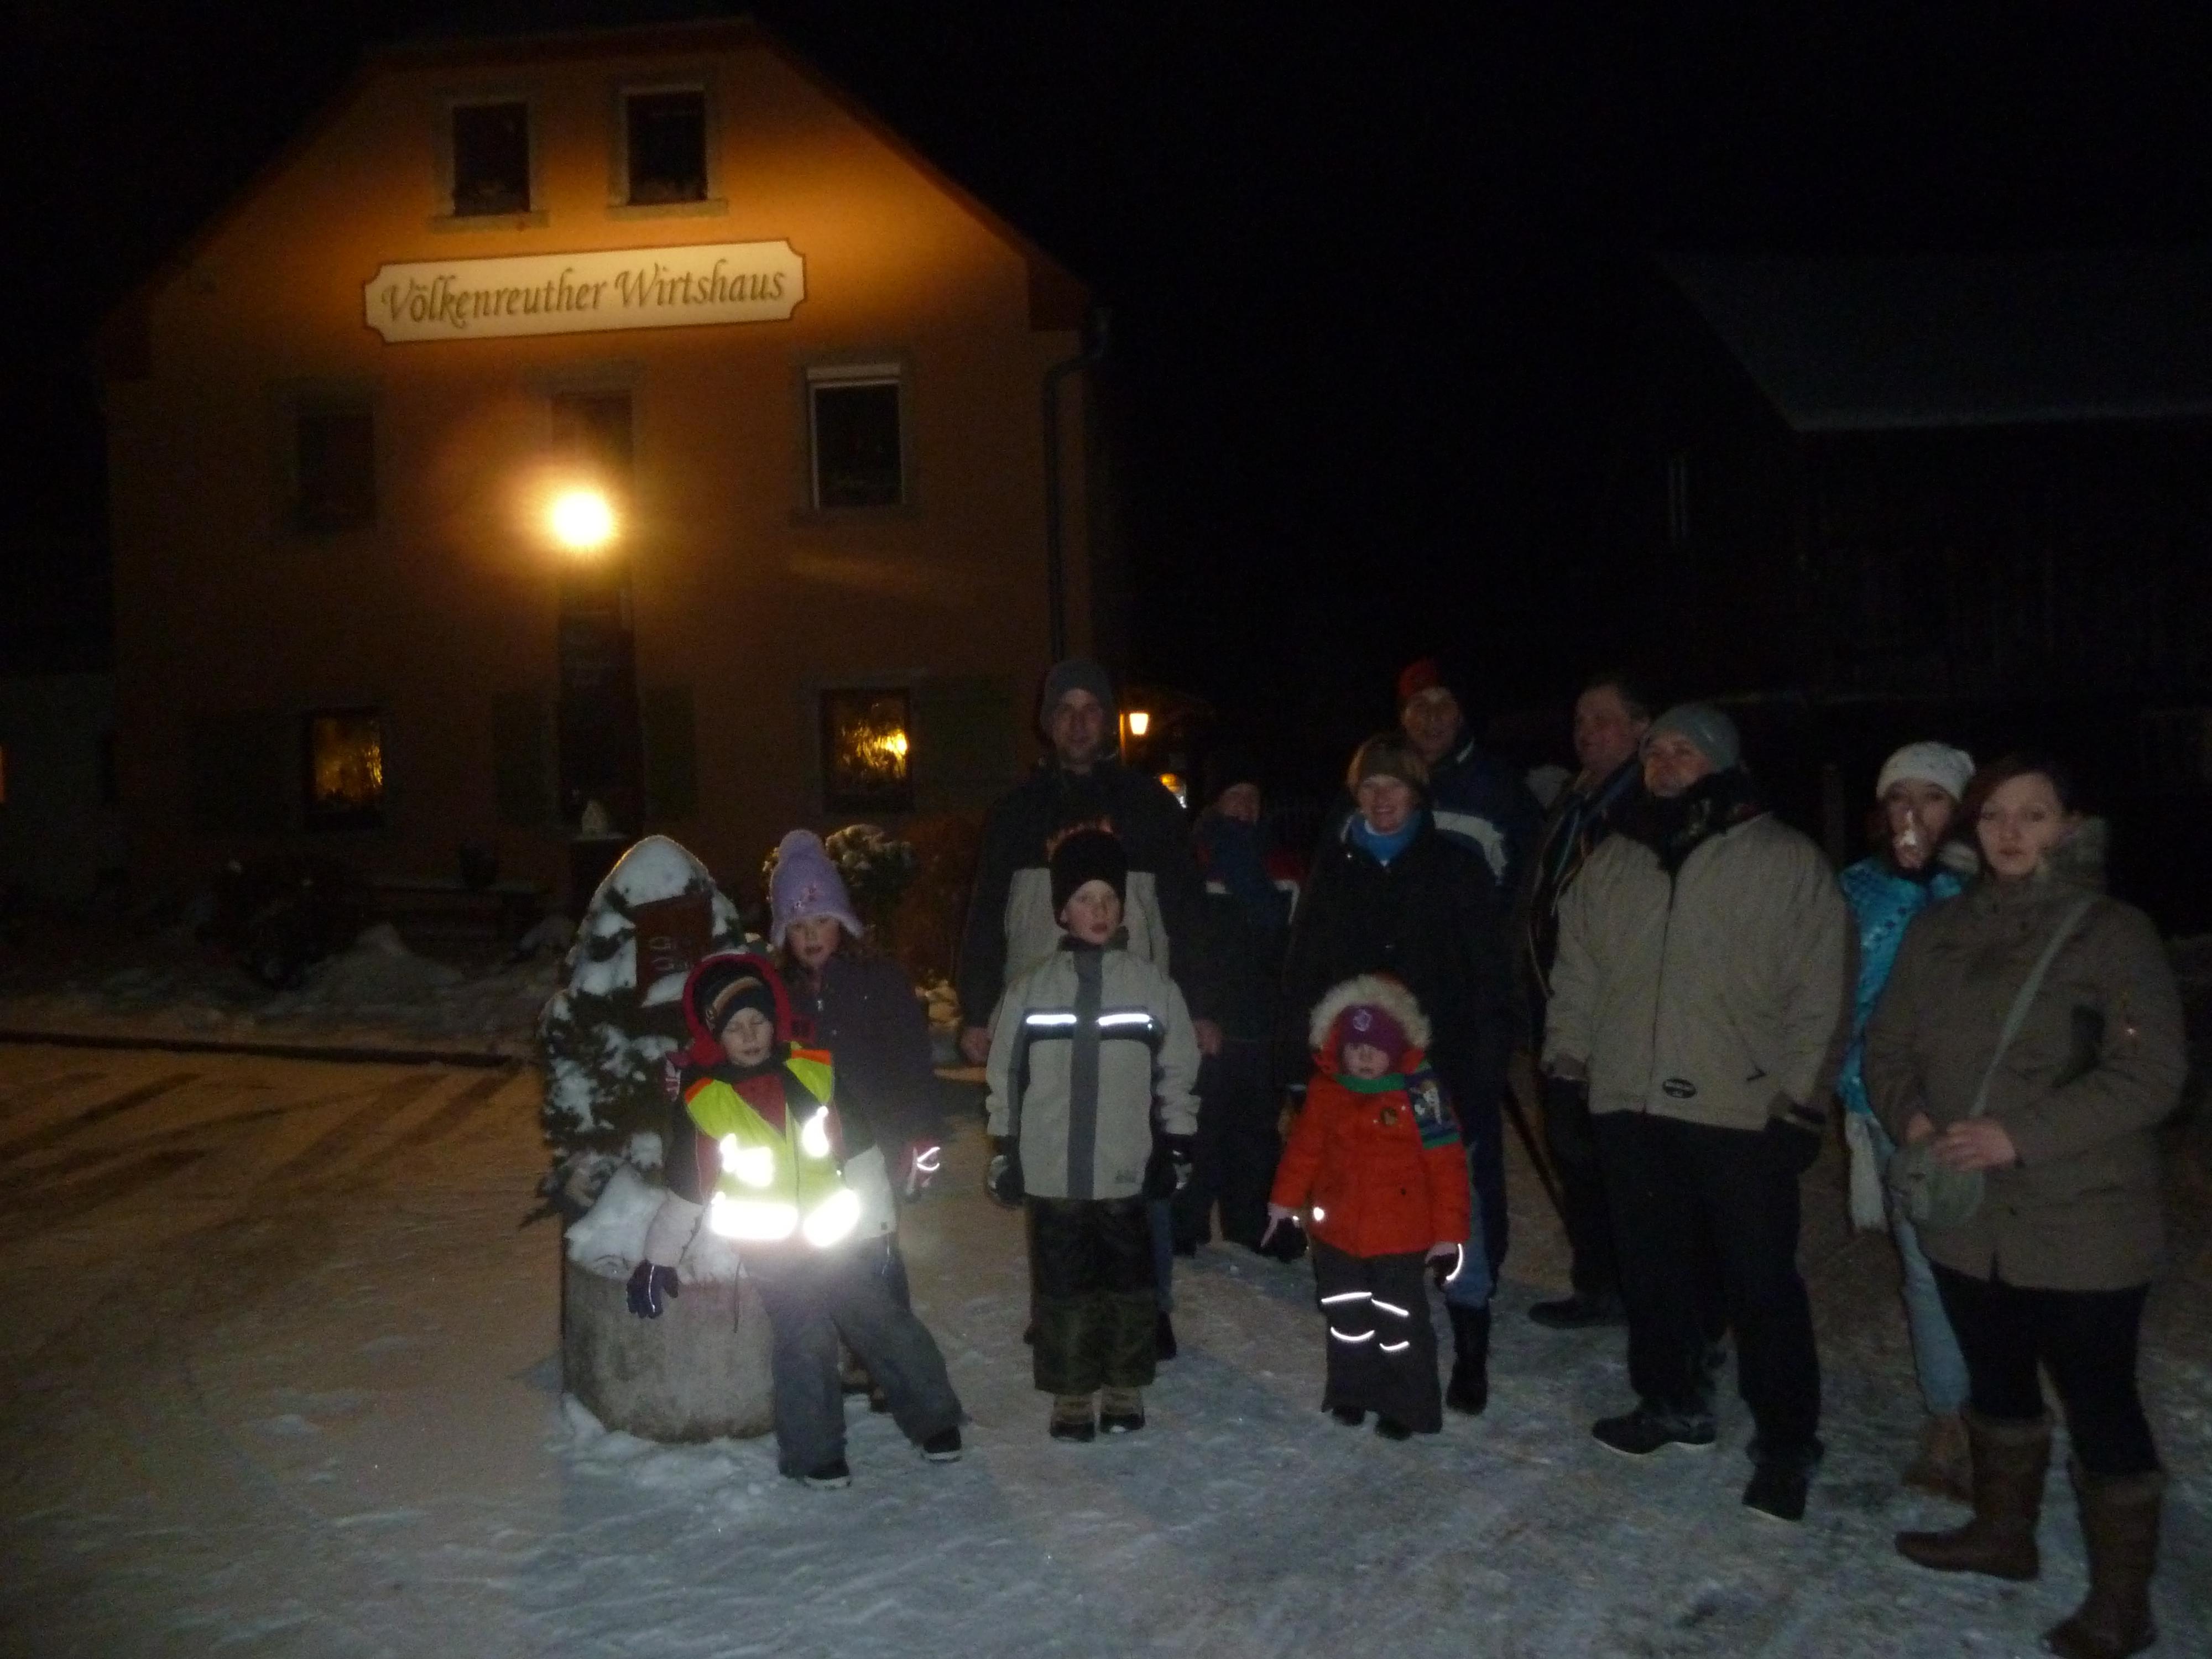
column 866, row 760
column 345, row 768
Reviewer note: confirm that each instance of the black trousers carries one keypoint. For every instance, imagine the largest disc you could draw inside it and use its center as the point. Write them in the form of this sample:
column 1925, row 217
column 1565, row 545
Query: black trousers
column 1238, row 1147
column 2087, row 1338
column 1091, row 1283
column 1693, row 1204
column 1572, row 1146
column 1382, row 1342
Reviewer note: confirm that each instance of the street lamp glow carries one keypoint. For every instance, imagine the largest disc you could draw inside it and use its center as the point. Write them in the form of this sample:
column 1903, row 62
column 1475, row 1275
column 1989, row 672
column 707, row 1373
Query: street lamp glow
column 582, row 521
column 1139, row 722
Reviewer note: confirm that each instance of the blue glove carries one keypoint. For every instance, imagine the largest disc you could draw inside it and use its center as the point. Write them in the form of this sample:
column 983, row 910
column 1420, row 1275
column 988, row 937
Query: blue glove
column 648, row 1285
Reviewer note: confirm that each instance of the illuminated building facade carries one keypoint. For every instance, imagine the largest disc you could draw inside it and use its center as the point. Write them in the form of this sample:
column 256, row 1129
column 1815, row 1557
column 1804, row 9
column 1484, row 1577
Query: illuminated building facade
column 625, row 417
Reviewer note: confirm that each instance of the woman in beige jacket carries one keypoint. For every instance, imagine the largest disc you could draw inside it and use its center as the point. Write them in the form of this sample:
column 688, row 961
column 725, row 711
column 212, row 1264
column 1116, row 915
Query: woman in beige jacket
column 2054, row 1266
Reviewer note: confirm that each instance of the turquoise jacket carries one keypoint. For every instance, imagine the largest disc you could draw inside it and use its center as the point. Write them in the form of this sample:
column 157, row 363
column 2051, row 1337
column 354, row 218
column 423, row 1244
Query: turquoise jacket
column 1883, row 901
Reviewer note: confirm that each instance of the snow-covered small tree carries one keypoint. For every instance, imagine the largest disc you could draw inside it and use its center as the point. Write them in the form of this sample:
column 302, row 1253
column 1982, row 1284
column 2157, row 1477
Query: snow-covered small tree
column 606, row 1036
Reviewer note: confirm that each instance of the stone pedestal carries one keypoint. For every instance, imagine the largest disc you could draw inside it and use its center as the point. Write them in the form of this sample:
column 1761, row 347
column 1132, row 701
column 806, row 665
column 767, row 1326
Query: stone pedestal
column 698, row 1372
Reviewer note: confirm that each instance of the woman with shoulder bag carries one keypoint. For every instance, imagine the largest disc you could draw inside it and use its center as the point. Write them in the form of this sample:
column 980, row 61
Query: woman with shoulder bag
column 2026, row 1046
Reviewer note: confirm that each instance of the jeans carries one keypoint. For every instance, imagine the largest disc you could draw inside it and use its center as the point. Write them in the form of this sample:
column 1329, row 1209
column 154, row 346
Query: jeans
column 1693, row 1204
column 1472, row 1284
column 2089, row 1340
column 1936, row 1356
column 1238, row 1147
column 815, row 1297
column 1159, row 1222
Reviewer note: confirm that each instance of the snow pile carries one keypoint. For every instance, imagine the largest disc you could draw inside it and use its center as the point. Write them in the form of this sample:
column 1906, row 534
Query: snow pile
column 609, row 1240
column 606, row 1045
column 379, row 971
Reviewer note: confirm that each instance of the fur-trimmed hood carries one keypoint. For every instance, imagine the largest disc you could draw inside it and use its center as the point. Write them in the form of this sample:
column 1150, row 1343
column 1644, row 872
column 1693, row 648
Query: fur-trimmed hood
column 1369, row 990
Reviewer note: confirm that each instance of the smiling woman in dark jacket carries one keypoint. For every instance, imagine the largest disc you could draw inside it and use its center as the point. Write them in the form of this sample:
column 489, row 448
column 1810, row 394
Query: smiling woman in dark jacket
column 2054, row 1265
column 1389, row 894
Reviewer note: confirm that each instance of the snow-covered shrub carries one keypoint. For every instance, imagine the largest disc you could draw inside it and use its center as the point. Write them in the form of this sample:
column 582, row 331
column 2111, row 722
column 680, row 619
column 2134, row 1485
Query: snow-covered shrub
column 607, row 1034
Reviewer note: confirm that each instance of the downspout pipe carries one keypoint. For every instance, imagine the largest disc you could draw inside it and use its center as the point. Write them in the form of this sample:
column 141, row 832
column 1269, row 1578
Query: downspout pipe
column 1056, row 559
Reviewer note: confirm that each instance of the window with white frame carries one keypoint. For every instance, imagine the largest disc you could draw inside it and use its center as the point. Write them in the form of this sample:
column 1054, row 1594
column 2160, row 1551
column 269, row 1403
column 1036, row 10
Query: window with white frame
column 855, row 433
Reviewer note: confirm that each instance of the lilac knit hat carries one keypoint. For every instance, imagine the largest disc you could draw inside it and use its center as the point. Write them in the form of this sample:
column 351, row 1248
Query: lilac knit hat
column 806, row 885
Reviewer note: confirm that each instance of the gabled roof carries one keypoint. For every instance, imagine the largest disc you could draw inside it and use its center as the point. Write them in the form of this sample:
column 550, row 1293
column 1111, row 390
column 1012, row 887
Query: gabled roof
column 1873, row 345
column 1057, row 298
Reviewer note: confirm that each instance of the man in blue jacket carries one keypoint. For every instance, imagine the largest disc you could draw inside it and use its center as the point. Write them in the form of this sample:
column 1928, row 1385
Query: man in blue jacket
column 1474, row 797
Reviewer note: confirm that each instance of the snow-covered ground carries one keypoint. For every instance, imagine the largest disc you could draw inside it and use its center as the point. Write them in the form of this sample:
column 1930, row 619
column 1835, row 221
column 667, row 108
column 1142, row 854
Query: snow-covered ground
column 279, row 1374
column 380, row 994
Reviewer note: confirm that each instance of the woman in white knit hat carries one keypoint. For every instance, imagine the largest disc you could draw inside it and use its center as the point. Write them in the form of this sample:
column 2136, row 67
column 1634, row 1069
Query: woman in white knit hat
column 1916, row 863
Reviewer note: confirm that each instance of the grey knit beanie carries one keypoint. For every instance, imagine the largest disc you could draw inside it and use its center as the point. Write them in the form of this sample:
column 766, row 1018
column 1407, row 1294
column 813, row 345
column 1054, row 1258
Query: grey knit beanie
column 1713, row 733
column 1076, row 674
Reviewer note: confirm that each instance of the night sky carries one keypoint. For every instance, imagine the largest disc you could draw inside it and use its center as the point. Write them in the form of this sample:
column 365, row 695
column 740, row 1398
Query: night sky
column 1369, row 275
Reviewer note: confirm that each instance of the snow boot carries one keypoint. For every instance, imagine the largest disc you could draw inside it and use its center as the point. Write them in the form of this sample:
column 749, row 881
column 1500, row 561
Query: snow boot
column 1944, row 1466
column 1072, row 1418
column 1580, row 1312
column 830, row 1476
column 1780, row 1483
column 1648, row 1428
column 943, row 1447
column 1122, row 1411
column 2010, row 1456
column 1469, row 1389
column 1391, row 1429
column 2120, row 1524
column 1350, row 1416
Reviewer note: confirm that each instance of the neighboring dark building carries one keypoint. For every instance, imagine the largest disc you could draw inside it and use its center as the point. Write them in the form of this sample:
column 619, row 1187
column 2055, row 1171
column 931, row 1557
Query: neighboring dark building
column 1965, row 496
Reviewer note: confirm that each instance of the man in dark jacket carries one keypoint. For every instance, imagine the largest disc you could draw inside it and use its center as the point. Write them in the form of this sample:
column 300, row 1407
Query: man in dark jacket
column 1474, row 797
column 1082, row 783
column 1246, row 917
column 1611, row 717
column 1013, row 924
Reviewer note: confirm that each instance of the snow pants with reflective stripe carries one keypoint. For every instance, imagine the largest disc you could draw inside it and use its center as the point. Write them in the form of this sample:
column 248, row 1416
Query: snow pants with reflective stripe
column 1382, row 1343
column 815, row 1297
column 1091, row 1283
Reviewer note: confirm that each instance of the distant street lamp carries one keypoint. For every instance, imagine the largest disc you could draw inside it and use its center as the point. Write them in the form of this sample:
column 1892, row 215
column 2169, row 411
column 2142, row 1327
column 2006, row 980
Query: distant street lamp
column 582, row 521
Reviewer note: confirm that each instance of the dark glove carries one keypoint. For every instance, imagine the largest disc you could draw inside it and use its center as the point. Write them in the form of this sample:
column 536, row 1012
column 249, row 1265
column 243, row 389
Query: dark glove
column 648, row 1285
column 1167, row 1171
column 1183, row 1152
column 1285, row 1239
column 1002, row 1176
column 1798, row 1145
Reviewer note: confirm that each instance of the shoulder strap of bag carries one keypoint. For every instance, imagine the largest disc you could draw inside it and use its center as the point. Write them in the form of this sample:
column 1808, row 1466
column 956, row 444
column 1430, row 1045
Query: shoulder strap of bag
column 2025, row 1000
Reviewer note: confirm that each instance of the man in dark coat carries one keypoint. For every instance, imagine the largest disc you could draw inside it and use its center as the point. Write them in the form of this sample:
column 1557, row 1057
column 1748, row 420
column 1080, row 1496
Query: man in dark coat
column 1611, row 717
column 1474, row 797
column 1082, row 783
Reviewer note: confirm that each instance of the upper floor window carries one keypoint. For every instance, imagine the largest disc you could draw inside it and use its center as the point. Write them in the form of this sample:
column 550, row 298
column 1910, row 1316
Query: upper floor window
column 491, row 159
column 852, row 417
column 592, row 432
column 665, row 145
column 334, row 467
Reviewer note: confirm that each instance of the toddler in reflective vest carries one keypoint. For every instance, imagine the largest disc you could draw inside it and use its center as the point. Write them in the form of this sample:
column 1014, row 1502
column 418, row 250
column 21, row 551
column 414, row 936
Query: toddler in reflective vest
column 1375, row 1161
column 1093, row 1061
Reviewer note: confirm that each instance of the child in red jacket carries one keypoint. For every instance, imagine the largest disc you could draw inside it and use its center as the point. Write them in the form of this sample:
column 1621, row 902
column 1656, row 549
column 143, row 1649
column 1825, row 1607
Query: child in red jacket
column 1376, row 1155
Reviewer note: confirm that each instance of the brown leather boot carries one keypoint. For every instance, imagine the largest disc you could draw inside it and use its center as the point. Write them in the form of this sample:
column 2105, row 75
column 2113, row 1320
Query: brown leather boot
column 2120, row 1523
column 1944, row 1465
column 2009, row 1459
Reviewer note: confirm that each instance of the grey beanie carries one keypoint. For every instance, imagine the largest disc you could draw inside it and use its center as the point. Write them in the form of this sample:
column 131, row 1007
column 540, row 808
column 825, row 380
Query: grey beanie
column 1076, row 674
column 1713, row 733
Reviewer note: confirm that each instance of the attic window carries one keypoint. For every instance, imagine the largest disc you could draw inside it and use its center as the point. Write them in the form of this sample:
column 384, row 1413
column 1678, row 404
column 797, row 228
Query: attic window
column 491, row 159
column 665, row 138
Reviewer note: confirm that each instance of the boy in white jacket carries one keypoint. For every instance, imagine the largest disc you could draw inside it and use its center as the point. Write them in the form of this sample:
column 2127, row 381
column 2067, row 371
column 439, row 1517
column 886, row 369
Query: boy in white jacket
column 1092, row 1064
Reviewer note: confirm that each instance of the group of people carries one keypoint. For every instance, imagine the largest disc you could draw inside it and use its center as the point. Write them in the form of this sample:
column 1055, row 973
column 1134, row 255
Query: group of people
column 1674, row 981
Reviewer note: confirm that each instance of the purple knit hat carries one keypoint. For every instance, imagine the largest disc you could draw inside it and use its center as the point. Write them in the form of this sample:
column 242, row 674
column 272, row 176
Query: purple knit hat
column 806, row 885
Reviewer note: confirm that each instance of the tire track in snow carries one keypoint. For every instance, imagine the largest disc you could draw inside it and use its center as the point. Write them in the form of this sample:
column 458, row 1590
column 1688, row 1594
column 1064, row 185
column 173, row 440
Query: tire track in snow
column 98, row 1113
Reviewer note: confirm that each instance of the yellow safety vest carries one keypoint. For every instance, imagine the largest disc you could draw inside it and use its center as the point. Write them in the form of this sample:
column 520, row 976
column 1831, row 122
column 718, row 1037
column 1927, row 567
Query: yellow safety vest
column 774, row 1182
